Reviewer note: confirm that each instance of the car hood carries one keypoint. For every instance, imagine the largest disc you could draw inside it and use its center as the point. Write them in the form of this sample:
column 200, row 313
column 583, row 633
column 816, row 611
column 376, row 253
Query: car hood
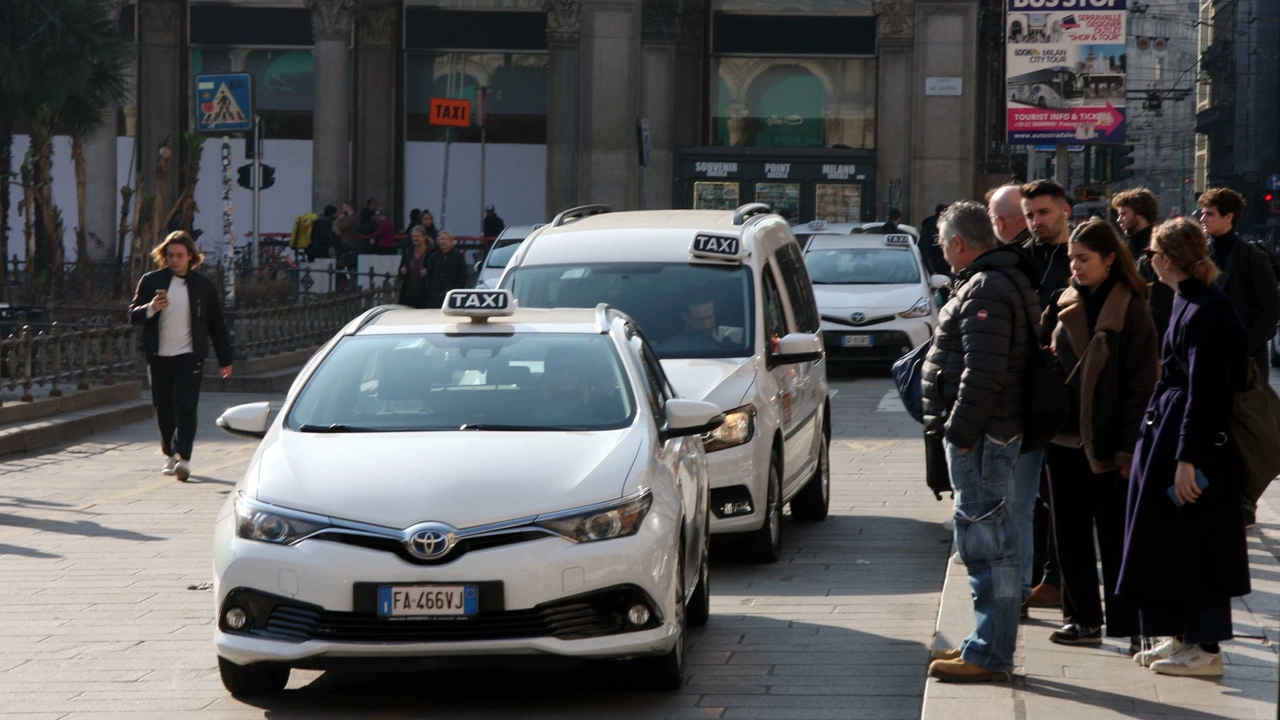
column 461, row 478
column 898, row 298
column 723, row 382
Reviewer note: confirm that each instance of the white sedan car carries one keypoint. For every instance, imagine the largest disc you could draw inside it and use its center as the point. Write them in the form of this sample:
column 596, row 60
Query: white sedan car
column 875, row 298
column 477, row 481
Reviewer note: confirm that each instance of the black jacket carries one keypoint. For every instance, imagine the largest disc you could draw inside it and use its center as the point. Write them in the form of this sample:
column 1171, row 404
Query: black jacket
column 972, row 376
column 206, row 315
column 445, row 271
column 493, row 226
column 323, row 239
column 1161, row 295
column 1247, row 279
column 1055, row 265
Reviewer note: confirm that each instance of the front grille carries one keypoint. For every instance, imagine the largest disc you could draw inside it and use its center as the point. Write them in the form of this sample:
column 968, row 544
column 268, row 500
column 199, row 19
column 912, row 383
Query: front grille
column 846, row 320
column 463, row 547
column 592, row 615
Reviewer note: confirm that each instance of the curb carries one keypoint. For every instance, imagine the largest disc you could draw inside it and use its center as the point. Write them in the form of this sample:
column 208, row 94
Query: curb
column 69, row 427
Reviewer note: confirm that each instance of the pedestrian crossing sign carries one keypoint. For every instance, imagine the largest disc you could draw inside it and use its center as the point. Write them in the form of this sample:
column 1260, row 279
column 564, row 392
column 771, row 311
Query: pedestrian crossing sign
column 224, row 103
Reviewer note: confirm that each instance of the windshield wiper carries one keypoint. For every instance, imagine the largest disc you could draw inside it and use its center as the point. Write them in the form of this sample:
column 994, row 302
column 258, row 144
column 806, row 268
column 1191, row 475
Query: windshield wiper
column 514, row 428
column 334, row 428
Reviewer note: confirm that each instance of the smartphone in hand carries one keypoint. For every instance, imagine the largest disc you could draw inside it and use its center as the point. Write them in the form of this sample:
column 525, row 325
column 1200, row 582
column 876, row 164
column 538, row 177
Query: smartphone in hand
column 1202, row 482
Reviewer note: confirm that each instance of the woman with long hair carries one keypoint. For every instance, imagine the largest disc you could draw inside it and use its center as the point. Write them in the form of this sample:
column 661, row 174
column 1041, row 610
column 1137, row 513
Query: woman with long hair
column 1184, row 542
column 413, row 269
column 1101, row 332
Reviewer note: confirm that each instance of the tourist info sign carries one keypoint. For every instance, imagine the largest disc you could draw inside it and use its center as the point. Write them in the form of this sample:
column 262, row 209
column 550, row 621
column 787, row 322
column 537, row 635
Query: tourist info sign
column 1065, row 81
column 224, row 103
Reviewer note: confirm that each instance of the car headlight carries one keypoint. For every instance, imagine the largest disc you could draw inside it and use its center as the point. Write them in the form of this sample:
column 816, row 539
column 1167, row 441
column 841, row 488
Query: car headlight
column 601, row 522
column 739, row 425
column 268, row 523
column 919, row 310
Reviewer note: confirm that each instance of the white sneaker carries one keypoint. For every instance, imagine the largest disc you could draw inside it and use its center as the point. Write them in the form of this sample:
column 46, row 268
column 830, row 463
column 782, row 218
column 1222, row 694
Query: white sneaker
column 169, row 465
column 1190, row 660
column 1160, row 649
column 182, row 469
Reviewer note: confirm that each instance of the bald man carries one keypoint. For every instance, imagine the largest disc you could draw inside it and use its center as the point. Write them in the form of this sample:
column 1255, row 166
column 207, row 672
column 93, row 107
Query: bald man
column 1005, row 211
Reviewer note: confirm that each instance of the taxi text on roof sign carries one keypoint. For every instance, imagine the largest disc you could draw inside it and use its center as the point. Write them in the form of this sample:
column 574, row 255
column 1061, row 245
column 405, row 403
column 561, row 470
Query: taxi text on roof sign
column 897, row 240
column 446, row 111
column 720, row 247
column 479, row 304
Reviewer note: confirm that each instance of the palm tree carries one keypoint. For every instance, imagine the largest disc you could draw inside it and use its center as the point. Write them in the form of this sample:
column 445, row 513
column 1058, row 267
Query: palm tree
column 61, row 66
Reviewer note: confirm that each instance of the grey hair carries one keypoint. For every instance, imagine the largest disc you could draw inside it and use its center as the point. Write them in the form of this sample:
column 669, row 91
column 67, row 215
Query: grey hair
column 970, row 221
column 419, row 229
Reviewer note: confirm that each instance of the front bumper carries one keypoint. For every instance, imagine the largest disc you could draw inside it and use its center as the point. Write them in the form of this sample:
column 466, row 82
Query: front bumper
column 889, row 341
column 313, row 608
column 734, row 473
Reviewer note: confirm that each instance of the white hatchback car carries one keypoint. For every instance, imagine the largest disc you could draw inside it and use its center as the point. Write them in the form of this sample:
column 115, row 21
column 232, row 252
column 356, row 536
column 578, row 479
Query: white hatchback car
column 874, row 295
column 477, row 481
column 726, row 301
column 490, row 267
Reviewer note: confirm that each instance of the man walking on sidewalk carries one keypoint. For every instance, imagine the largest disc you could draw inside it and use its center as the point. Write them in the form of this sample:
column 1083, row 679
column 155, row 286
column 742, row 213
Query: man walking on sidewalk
column 180, row 312
column 973, row 394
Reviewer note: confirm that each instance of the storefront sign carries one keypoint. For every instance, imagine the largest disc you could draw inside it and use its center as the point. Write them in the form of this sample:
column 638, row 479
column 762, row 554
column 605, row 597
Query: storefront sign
column 839, row 172
column 716, row 169
column 777, row 171
column 1065, row 81
column 943, row 86
column 446, row 111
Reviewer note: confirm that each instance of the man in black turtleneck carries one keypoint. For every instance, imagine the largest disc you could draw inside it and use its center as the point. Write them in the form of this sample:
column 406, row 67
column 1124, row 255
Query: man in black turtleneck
column 1137, row 212
column 1246, row 275
column 1045, row 205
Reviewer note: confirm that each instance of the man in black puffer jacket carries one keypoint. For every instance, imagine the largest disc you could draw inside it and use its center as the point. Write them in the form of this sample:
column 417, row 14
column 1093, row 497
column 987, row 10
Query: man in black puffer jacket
column 973, row 394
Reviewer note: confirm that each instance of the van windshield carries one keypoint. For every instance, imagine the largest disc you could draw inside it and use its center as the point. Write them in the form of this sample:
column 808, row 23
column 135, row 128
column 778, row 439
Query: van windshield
column 685, row 310
column 526, row 382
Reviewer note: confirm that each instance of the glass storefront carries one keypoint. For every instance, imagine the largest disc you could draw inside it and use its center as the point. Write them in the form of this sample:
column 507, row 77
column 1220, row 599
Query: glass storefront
column 709, row 195
column 516, row 94
column 837, row 202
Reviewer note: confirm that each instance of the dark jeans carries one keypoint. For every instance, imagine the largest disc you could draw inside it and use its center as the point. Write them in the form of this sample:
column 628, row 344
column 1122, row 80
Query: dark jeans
column 1197, row 621
column 1080, row 500
column 175, row 395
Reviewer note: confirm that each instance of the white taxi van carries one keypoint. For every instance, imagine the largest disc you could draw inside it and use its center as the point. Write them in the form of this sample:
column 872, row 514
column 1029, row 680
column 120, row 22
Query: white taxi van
column 875, row 298
column 726, row 301
column 483, row 480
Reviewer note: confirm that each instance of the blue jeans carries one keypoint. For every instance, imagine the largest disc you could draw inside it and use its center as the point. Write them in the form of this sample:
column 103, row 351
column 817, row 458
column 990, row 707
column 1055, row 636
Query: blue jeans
column 987, row 539
column 1026, row 488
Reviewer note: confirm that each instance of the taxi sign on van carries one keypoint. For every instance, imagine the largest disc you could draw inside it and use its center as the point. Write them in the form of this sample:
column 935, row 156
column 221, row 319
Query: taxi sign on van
column 479, row 304
column 897, row 240
column 719, row 247
column 817, row 224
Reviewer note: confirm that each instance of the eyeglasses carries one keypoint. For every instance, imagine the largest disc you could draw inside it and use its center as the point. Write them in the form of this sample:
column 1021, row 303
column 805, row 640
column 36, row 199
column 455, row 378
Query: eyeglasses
column 1149, row 254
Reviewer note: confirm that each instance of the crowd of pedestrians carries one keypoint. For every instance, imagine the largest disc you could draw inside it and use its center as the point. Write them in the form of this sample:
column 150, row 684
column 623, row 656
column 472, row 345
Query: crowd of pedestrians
column 1153, row 334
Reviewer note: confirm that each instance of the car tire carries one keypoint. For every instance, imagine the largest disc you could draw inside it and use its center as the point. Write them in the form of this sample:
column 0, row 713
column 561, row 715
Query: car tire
column 814, row 499
column 699, row 610
column 766, row 543
column 666, row 672
column 255, row 679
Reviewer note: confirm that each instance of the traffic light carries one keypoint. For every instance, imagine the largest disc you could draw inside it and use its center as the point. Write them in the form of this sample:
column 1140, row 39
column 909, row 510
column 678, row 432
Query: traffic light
column 268, row 176
column 246, row 176
column 1121, row 160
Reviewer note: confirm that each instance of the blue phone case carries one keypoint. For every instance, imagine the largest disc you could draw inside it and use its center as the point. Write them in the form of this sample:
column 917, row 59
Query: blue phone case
column 1201, row 481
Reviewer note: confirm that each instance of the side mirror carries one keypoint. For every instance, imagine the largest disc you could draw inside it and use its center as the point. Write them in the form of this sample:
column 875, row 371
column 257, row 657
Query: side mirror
column 797, row 347
column 690, row 417
column 937, row 282
column 249, row 420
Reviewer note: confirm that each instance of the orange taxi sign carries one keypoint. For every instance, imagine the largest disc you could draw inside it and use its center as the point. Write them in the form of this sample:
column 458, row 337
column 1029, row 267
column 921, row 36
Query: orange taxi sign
column 446, row 111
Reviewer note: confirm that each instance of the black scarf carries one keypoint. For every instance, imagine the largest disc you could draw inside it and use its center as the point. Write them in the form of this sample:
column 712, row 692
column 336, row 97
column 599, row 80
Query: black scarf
column 1095, row 298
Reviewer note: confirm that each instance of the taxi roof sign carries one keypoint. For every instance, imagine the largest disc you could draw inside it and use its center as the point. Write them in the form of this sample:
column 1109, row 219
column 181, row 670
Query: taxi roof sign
column 817, row 224
column 479, row 305
column 717, row 247
column 897, row 240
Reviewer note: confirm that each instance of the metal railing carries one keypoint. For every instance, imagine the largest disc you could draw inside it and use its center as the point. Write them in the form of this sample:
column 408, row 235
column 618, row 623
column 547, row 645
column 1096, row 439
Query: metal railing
column 61, row 355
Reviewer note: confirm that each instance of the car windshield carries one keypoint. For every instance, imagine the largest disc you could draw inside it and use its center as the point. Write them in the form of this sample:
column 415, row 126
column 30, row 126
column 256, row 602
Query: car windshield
column 499, row 256
column 686, row 310
column 531, row 381
column 862, row 266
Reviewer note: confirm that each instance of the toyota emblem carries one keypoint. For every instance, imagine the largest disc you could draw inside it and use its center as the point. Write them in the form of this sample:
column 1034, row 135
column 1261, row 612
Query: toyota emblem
column 858, row 318
column 430, row 541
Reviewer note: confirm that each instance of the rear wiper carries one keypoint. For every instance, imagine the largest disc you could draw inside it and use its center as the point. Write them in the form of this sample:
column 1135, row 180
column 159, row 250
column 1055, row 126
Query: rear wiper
column 334, row 428
column 510, row 428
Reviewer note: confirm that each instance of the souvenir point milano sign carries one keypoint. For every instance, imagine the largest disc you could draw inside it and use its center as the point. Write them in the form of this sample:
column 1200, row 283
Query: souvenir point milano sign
column 1065, row 60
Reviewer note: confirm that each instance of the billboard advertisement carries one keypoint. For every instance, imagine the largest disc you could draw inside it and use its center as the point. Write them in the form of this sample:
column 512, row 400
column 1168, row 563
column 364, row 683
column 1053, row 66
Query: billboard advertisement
column 1065, row 71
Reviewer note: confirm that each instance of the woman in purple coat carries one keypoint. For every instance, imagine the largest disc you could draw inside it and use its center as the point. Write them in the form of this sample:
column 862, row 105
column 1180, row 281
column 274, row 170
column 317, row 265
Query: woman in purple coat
column 1184, row 548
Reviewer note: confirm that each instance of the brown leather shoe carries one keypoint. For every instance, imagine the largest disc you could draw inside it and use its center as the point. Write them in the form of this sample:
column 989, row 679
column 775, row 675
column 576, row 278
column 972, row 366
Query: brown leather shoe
column 945, row 654
column 959, row 671
column 1045, row 596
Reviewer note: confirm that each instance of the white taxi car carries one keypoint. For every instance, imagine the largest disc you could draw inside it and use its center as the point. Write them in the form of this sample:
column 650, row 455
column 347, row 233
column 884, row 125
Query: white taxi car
column 725, row 299
column 490, row 267
column 874, row 295
column 478, row 481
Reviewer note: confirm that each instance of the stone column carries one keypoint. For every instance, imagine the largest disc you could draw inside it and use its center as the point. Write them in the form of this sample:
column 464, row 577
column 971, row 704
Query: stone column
column 331, row 118
column 691, row 76
column 160, row 85
column 377, row 24
column 609, row 102
column 564, row 25
column 944, row 134
column 660, row 30
column 101, row 191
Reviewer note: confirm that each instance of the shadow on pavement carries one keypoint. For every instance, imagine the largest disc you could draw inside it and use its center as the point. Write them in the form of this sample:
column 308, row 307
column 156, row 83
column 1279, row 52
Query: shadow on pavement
column 84, row 528
column 20, row 551
column 776, row 666
column 1127, row 705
